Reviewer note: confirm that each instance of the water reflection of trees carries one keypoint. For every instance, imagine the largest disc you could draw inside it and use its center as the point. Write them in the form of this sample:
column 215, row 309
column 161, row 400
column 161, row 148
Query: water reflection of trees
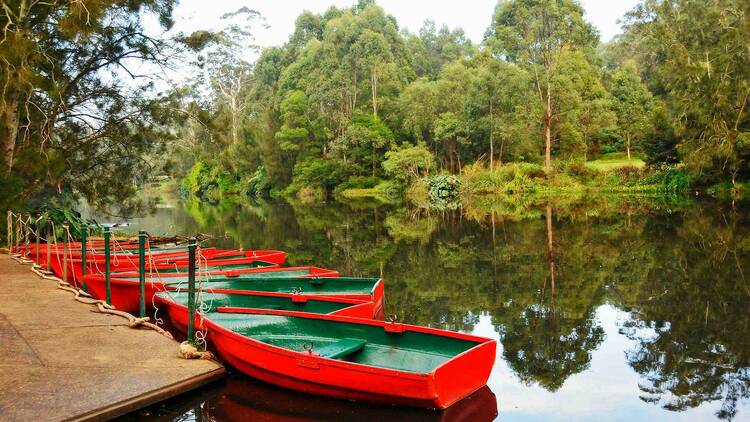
column 540, row 275
column 690, row 314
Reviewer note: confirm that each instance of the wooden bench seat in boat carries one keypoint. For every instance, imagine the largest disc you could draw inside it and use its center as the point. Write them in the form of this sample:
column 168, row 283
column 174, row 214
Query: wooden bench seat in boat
column 341, row 348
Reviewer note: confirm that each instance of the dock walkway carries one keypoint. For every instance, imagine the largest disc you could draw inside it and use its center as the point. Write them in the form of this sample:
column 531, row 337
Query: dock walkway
column 62, row 361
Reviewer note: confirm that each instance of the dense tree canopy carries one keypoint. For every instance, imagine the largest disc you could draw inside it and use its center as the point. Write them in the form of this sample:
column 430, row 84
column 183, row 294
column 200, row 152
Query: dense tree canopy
column 69, row 121
column 349, row 86
column 539, row 88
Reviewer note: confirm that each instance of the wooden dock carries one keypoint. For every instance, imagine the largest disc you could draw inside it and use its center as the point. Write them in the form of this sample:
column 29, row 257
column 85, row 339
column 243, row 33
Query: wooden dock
column 63, row 361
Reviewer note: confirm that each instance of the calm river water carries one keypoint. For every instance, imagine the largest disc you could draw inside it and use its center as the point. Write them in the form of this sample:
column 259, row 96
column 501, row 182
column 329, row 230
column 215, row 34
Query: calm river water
column 619, row 311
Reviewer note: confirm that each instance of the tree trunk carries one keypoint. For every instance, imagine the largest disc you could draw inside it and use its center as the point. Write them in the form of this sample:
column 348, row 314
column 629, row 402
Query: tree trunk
column 627, row 144
column 548, row 131
column 502, row 151
column 10, row 130
column 235, row 120
column 492, row 131
column 374, row 84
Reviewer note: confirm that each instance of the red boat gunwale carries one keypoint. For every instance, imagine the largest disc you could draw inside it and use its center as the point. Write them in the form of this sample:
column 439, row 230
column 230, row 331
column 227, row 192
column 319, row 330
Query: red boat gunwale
column 220, row 256
column 450, row 382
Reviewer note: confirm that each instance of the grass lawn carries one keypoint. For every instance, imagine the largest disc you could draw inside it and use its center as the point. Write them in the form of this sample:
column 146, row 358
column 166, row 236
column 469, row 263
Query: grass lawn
column 615, row 160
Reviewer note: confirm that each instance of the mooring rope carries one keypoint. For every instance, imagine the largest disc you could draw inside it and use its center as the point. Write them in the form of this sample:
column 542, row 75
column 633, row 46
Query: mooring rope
column 102, row 306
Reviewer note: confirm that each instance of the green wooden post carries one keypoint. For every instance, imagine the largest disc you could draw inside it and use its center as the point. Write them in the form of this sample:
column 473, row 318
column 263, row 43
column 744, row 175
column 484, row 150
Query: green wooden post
column 84, row 233
column 142, row 269
column 66, row 246
column 191, row 288
column 106, row 265
column 36, row 237
column 50, row 235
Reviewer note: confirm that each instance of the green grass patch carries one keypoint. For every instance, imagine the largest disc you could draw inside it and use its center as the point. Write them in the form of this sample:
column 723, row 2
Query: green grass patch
column 614, row 161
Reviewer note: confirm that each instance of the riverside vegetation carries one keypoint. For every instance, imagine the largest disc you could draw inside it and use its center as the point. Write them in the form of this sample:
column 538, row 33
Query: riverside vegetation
column 353, row 105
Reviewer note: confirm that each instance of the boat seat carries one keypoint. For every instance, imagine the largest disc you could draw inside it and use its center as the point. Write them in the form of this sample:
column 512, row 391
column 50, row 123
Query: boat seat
column 341, row 348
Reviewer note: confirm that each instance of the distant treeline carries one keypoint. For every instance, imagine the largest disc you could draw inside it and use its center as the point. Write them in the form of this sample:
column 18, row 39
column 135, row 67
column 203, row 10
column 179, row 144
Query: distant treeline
column 353, row 100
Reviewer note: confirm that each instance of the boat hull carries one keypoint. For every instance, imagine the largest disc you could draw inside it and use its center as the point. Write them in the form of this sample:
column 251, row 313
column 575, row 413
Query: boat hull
column 308, row 373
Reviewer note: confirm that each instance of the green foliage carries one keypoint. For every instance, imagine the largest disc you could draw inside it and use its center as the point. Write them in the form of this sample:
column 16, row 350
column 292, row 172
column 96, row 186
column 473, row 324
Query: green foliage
column 210, row 183
column 60, row 215
column 513, row 178
column 669, row 179
column 632, row 102
column 259, row 184
column 694, row 53
column 419, row 106
column 517, row 181
column 318, row 173
column 443, row 189
column 550, row 40
column 433, row 48
column 359, row 182
column 348, row 85
column 64, row 107
column 408, row 162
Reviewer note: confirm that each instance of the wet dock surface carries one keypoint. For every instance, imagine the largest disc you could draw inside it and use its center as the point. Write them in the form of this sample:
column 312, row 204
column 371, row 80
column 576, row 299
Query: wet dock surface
column 62, row 360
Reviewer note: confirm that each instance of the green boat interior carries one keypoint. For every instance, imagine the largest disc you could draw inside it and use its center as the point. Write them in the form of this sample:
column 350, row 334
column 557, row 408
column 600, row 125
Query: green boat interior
column 273, row 283
column 359, row 343
column 216, row 300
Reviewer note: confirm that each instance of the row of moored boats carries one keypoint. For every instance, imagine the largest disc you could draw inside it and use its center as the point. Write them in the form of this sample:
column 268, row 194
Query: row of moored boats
column 304, row 328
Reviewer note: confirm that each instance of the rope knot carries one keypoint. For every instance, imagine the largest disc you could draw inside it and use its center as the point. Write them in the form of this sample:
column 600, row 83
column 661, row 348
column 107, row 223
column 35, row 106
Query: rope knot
column 137, row 322
column 189, row 351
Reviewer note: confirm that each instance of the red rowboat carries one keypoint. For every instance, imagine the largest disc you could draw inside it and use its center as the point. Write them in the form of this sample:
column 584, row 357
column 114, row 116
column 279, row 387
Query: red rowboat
column 363, row 289
column 354, row 358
